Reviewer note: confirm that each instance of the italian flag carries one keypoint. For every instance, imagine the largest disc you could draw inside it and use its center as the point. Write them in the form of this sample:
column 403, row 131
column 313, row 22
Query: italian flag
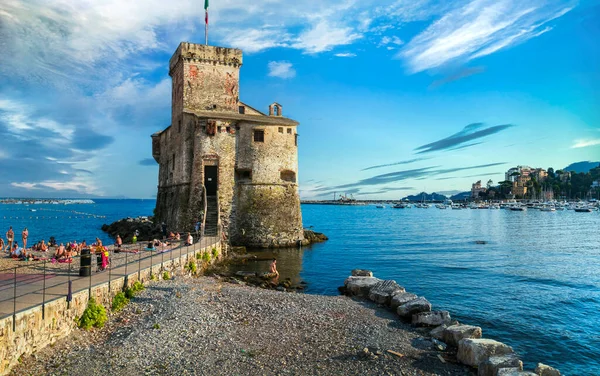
column 206, row 11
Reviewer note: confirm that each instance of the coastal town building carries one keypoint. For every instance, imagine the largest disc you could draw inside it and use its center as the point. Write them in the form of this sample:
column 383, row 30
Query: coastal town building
column 477, row 189
column 513, row 173
column 244, row 161
column 519, row 188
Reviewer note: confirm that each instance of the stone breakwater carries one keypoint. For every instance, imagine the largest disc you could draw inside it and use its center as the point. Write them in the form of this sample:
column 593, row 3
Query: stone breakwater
column 487, row 356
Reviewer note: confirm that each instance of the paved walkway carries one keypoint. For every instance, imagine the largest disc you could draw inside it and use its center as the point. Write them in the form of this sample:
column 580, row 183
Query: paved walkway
column 33, row 289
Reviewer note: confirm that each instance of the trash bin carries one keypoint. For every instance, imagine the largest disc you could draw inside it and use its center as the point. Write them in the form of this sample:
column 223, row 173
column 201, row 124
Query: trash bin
column 85, row 263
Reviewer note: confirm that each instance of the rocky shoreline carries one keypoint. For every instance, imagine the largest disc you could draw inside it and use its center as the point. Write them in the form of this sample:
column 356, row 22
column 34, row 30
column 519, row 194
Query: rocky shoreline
column 487, row 356
column 149, row 230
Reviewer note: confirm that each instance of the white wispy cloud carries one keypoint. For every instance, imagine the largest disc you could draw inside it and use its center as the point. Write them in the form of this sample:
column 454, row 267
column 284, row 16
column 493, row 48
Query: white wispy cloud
column 585, row 143
column 345, row 54
column 281, row 69
column 387, row 40
column 479, row 28
column 325, row 36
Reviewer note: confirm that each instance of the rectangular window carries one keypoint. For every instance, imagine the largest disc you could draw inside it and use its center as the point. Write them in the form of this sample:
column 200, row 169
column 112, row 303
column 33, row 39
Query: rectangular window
column 179, row 124
column 242, row 109
column 259, row 135
column 280, row 129
column 289, row 130
column 173, row 162
column 228, row 129
column 243, row 175
column 296, row 139
column 219, row 129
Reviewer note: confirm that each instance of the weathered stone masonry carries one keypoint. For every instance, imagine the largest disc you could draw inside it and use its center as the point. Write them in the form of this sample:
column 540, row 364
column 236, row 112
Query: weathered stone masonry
column 246, row 158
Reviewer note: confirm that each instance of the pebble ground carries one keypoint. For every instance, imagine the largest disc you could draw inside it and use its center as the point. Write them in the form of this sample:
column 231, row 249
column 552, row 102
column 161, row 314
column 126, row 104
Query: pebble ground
column 205, row 326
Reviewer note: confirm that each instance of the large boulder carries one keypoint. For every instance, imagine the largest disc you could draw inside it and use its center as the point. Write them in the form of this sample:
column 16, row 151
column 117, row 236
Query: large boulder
column 490, row 366
column 473, row 352
column 453, row 334
column 545, row 370
column 361, row 273
column 401, row 298
column 418, row 305
column 383, row 291
column 433, row 318
column 514, row 371
column 360, row 286
column 438, row 332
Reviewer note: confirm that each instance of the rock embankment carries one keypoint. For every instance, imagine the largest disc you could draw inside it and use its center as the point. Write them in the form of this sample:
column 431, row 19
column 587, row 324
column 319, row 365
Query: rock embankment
column 489, row 357
column 311, row 237
column 127, row 227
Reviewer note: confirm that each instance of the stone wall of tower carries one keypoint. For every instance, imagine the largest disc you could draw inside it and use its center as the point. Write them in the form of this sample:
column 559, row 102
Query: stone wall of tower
column 205, row 78
column 175, row 160
column 267, row 207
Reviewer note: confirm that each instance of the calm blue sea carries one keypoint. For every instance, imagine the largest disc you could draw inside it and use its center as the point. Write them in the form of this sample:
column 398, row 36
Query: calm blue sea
column 535, row 285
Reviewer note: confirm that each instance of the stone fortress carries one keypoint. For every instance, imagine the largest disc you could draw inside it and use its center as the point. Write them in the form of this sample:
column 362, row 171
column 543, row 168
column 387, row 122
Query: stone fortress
column 243, row 161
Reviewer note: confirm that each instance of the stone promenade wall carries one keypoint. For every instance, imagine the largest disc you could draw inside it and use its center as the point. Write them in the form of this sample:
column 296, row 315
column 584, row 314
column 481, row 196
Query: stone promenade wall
column 33, row 332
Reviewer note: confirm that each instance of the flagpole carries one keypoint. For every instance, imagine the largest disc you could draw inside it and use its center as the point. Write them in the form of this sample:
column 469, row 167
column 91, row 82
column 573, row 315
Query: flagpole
column 206, row 22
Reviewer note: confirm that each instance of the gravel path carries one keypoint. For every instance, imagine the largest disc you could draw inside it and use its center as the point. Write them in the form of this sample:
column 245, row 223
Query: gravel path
column 203, row 326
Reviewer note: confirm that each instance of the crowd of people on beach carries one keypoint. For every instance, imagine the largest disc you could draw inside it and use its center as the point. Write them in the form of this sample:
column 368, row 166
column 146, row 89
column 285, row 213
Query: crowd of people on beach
column 64, row 252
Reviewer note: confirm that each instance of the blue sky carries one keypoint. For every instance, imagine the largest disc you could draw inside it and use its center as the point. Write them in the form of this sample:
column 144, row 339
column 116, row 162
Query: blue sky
column 393, row 97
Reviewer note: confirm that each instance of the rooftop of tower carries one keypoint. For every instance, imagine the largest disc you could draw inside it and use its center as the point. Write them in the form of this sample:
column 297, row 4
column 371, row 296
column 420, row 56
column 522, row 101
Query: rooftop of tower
column 206, row 54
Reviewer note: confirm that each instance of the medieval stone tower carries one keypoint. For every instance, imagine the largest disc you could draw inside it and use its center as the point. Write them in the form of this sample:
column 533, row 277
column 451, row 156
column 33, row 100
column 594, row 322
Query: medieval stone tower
column 243, row 161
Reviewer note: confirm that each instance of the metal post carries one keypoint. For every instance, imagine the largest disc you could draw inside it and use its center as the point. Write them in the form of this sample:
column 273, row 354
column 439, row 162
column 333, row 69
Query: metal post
column 15, row 300
column 109, row 275
column 162, row 258
column 90, row 284
column 151, row 262
column 44, row 294
column 139, row 264
column 69, row 286
column 126, row 261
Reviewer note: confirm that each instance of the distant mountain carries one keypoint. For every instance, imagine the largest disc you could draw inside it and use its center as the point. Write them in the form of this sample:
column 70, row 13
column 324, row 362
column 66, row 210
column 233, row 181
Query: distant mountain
column 425, row 196
column 584, row 166
column 461, row 196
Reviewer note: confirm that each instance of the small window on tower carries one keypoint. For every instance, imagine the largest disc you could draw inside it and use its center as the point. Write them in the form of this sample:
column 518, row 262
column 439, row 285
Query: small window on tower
column 219, row 129
column 179, row 124
column 259, row 135
column 287, row 175
column 280, row 129
column 243, row 175
column 228, row 129
column 242, row 109
column 173, row 162
column 296, row 139
column 289, row 130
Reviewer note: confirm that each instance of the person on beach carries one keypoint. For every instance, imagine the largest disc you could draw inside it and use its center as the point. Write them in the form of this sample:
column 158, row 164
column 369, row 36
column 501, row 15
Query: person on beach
column 273, row 268
column 119, row 242
column 82, row 245
column 177, row 236
column 105, row 261
column 163, row 226
column 197, row 227
column 60, row 252
column 2, row 245
column 190, row 239
column 10, row 237
column 42, row 246
column 24, row 236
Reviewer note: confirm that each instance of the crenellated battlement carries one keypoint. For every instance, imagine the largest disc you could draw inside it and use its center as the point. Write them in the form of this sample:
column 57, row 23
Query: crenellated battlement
column 200, row 53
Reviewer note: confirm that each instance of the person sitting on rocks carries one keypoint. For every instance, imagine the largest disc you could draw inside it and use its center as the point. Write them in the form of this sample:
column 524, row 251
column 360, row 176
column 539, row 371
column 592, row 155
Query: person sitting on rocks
column 189, row 240
column 171, row 235
column 43, row 247
column 118, row 243
column 2, row 245
column 82, row 245
column 273, row 268
column 177, row 236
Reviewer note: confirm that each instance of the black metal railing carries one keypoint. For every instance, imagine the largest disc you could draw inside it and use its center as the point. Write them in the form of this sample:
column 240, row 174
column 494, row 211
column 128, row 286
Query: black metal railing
column 35, row 283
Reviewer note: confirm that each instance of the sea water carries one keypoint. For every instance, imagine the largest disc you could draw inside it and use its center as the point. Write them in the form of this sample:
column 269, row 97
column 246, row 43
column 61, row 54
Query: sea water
column 534, row 284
